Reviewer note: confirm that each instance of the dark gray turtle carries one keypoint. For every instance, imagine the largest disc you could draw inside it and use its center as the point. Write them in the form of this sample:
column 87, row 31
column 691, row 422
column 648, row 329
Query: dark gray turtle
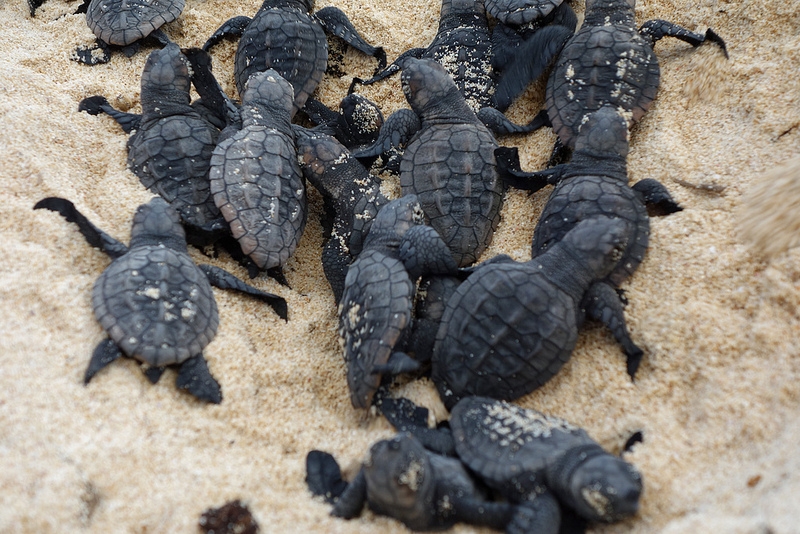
column 595, row 182
column 355, row 125
column 448, row 161
column 122, row 24
column 153, row 301
column 375, row 309
column 529, row 457
column 423, row 490
column 352, row 199
column 284, row 35
column 606, row 62
column 172, row 141
column 511, row 326
column 255, row 178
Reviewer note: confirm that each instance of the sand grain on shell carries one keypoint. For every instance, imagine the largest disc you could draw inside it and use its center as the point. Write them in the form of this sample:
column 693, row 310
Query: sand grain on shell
column 717, row 395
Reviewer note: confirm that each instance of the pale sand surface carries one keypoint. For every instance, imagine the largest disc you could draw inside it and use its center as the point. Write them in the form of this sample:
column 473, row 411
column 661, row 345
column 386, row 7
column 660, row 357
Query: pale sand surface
column 716, row 397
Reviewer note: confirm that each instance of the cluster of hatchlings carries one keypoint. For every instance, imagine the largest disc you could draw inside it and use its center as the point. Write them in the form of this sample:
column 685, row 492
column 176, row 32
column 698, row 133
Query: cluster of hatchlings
column 411, row 298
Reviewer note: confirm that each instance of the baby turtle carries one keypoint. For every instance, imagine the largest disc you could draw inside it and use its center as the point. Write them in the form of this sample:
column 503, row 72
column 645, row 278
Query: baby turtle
column 375, row 309
column 255, row 178
column 352, row 199
column 123, row 24
column 448, row 161
column 595, row 182
column 606, row 62
column 171, row 143
column 511, row 326
column 423, row 490
column 284, row 35
column 153, row 301
column 527, row 456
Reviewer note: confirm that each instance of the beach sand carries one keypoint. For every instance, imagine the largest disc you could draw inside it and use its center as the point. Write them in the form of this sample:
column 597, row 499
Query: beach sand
column 717, row 396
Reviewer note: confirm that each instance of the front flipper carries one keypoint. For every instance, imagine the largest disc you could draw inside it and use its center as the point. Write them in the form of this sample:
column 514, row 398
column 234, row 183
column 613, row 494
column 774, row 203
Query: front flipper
column 532, row 58
column 95, row 105
column 395, row 67
column 656, row 197
column 541, row 515
column 603, row 304
column 423, row 251
column 654, row 30
column 224, row 110
column 352, row 499
column 335, row 22
column 396, row 132
column 230, row 28
column 194, row 377
column 405, row 416
column 399, row 363
column 93, row 235
column 510, row 172
column 224, row 280
column 499, row 124
column 106, row 352
column 324, row 477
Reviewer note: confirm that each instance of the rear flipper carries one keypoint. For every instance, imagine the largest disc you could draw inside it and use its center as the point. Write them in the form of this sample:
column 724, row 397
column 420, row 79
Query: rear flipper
column 499, row 124
column 95, row 105
column 654, row 30
column 405, row 416
column 230, row 28
column 602, row 303
column 541, row 515
column 656, row 197
column 106, row 352
column 323, row 476
column 509, row 170
column 224, row 280
column 335, row 22
column 93, row 235
column 194, row 377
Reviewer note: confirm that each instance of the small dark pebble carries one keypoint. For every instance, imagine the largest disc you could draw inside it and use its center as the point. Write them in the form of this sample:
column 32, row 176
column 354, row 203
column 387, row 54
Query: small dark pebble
column 230, row 518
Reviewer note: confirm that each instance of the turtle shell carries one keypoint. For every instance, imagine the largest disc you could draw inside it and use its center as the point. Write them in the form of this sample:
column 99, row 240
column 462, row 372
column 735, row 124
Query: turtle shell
column 156, row 305
column 509, row 446
column 506, row 330
column 583, row 197
column 373, row 313
column 289, row 40
column 122, row 22
column 600, row 65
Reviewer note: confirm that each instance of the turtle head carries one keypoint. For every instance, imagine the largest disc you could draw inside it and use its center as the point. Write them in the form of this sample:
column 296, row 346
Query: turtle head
column 604, row 131
column 598, row 243
column 394, row 220
column 605, row 488
column 429, row 87
column 267, row 97
column 157, row 223
column 166, row 78
column 400, row 479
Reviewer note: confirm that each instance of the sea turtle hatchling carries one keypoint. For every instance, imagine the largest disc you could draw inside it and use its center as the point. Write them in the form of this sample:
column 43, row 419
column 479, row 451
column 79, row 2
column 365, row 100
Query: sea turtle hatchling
column 352, row 198
column 375, row 309
column 606, row 62
column 255, row 178
column 527, row 456
column 171, row 142
column 153, row 301
column 448, row 161
column 511, row 326
column 286, row 36
column 424, row 490
column 595, row 182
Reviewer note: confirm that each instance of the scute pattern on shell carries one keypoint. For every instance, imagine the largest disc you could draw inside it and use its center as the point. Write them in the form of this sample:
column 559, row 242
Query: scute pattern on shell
column 156, row 305
column 122, row 22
